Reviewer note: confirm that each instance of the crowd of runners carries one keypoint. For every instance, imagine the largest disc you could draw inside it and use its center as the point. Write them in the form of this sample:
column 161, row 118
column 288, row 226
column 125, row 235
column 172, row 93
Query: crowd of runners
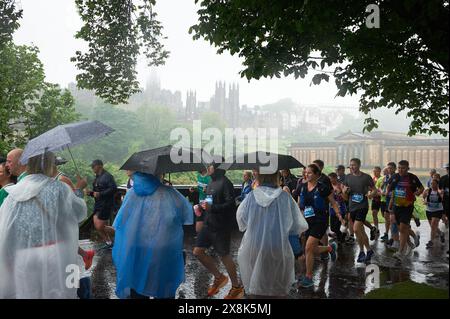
column 285, row 220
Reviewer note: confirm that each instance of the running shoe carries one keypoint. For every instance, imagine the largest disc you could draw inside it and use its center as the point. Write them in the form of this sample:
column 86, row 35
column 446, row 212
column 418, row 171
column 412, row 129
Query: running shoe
column 235, row 293
column 217, row 285
column 87, row 258
column 390, row 242
column 417, row 221
column 442, row 236
column 350, row 240
column 384, row 238
column 333, row 253
column 399, row 256
column 324, row 256
column 306, row 282
column 369, row 256
column 361, row 257
column 429, row 245
column 395, row 245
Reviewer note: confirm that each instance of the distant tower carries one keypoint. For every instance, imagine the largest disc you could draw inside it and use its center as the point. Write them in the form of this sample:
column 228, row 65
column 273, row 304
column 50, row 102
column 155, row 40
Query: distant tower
column 191, row 105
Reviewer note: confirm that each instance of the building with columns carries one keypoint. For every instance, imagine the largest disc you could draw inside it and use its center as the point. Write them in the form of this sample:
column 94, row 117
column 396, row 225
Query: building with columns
column 376, row 149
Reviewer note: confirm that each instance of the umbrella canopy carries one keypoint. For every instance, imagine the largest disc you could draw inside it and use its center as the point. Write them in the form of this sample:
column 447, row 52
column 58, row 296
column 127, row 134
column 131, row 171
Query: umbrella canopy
column 167, row 159
column 63, row 137
column 266, row 162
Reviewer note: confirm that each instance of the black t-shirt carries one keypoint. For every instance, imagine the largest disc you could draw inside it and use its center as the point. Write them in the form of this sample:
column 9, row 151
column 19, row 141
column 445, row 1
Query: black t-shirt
column 359, row 187
column 316, row 198
column 443, row 184
column 106, row 186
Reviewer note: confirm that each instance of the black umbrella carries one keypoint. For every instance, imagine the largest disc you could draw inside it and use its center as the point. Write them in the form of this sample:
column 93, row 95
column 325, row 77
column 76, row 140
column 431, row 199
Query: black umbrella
column 266, row 162
column 167, row 159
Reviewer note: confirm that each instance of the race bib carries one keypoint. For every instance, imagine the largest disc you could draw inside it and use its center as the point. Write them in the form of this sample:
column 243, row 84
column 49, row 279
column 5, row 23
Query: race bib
column 400, row 192
column 433, row 205
column 209, row 199
column 357, row 198
column 309, row 212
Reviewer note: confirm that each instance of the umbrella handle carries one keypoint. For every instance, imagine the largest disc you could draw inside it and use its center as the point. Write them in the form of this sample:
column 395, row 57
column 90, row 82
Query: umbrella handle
column 76, row 167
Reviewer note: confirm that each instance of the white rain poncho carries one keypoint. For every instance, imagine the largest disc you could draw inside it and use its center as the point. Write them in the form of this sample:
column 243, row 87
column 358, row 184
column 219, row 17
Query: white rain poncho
column 266, row 261
column 39, row 239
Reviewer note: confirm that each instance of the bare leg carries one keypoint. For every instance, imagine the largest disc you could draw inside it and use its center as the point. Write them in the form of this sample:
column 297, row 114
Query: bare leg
column 404, row 235
column 312, row 249
column 231, row 269
column 207, row 261
column 387, row 222
column 361, row 236
column 375, row 218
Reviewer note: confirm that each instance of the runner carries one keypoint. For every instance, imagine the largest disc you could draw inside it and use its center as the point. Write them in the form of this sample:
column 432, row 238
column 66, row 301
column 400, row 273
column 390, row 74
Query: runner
column 219, row 206
column 337, row 221
column 444, row 185
column 103, row 191
column 314, row 206
column 376, row 201
column 324, row 179
column 406, row 186
column 433, row 198
column 381, row 186
column 394, row 242
column 356, row 188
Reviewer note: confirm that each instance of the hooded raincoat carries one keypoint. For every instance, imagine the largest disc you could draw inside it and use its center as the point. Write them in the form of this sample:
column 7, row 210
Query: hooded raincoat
column 39, row 239
column 268, row 216
column 148, row 247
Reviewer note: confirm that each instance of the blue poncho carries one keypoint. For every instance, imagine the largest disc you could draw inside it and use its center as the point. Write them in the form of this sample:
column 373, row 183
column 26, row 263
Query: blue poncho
column 148, row 248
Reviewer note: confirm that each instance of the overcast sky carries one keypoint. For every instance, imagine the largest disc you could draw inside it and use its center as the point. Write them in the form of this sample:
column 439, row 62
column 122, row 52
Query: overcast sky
column 51, row 25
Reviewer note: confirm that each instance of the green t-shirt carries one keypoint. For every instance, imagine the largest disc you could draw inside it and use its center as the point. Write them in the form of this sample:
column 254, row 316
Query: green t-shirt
column 3, row 195
column 202, row 182
column 381, row 185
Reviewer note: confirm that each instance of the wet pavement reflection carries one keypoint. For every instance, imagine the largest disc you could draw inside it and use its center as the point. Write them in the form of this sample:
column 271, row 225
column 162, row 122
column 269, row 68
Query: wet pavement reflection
column 343, row 279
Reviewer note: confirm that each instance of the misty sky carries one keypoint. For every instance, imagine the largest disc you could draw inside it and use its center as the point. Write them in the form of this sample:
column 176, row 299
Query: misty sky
column 51, row 25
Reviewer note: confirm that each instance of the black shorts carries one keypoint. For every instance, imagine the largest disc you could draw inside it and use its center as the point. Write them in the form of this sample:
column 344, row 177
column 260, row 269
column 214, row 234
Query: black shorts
column 103, row 214
column 200, row 218
column 376, row 205
column 446, row 206
column 359, row 215
column 383, row 207
column 220, row 240
column 316, row 228
column 403, row 215
column 437, row 214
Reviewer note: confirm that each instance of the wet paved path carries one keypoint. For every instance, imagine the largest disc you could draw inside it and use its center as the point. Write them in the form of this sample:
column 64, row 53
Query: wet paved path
column 343, row 279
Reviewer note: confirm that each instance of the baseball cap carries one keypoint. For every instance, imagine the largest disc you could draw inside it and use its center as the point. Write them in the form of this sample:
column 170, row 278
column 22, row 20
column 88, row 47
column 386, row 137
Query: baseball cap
column 96, row 162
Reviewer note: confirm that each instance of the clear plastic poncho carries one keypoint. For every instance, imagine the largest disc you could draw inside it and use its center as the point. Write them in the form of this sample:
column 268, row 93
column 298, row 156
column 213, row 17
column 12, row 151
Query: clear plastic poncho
column 266, row 260
column 39, row 239
column 148, row 246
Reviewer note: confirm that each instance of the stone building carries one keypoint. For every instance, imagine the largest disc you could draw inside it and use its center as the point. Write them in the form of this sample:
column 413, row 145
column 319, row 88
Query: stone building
column 376, row 149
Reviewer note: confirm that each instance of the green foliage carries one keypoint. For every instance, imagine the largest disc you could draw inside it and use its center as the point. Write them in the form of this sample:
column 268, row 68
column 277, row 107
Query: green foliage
column 116, row 31
column 28, row 105
column 9, row 18
column 53, row 108
column 402, row 65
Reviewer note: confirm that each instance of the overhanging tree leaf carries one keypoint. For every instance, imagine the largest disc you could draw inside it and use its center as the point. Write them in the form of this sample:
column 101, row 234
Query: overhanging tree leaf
column 117, row 31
